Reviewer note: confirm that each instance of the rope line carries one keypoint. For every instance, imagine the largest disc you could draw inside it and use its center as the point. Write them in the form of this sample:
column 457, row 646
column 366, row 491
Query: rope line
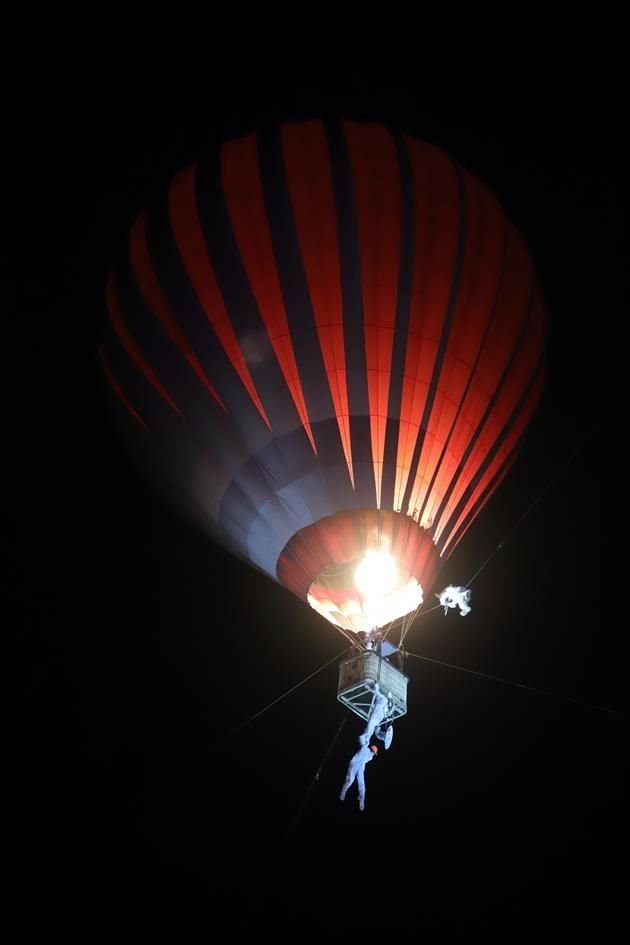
column 519, row 685
column 316, row 778
column 287, row 693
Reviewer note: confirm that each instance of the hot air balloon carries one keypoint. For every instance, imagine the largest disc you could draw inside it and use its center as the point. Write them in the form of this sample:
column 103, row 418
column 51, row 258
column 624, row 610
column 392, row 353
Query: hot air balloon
column 327, row 341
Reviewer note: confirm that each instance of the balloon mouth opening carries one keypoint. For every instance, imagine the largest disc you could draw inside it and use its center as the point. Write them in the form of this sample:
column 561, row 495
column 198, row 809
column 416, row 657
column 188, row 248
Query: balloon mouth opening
column 360, row 569
column 366, row 593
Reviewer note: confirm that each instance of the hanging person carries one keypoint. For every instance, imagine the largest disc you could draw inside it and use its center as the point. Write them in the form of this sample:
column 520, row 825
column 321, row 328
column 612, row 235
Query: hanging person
column 356, row 772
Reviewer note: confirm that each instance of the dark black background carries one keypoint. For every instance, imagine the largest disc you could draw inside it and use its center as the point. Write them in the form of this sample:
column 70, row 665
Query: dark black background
column 141, row 818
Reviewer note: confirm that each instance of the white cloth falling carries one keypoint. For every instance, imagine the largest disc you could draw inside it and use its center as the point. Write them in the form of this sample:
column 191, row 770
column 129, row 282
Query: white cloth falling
column 455, row 597
column 356, row 770
column 376, row 716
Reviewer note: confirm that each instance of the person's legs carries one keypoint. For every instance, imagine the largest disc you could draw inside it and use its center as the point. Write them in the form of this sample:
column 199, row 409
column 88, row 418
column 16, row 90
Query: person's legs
column 361, row 786
column 350, row 776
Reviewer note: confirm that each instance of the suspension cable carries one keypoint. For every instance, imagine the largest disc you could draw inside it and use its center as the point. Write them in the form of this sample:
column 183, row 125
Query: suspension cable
column 507, row 535
column 527, row 511
column 316, row 777
column 415, row 616
column 287, row 693
column 519, row 685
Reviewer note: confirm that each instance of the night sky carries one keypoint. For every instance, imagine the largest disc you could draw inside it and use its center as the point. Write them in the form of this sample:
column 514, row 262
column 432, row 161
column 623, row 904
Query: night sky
column 143, row 815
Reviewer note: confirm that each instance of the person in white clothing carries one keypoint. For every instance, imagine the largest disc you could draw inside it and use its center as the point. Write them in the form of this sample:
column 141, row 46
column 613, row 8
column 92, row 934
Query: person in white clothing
column 356, row 772
column 380, row 708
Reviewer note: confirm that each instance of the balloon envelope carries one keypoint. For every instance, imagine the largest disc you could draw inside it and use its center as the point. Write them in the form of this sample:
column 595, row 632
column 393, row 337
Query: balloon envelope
column 327, row 340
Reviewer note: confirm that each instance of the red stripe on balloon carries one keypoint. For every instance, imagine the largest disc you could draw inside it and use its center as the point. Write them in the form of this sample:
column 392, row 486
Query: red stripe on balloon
column 246, row 207
column 309, row 181
column 117, row 388
column 132, row 348
column 157, row 303
column 376, row 187
column 192, row 249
